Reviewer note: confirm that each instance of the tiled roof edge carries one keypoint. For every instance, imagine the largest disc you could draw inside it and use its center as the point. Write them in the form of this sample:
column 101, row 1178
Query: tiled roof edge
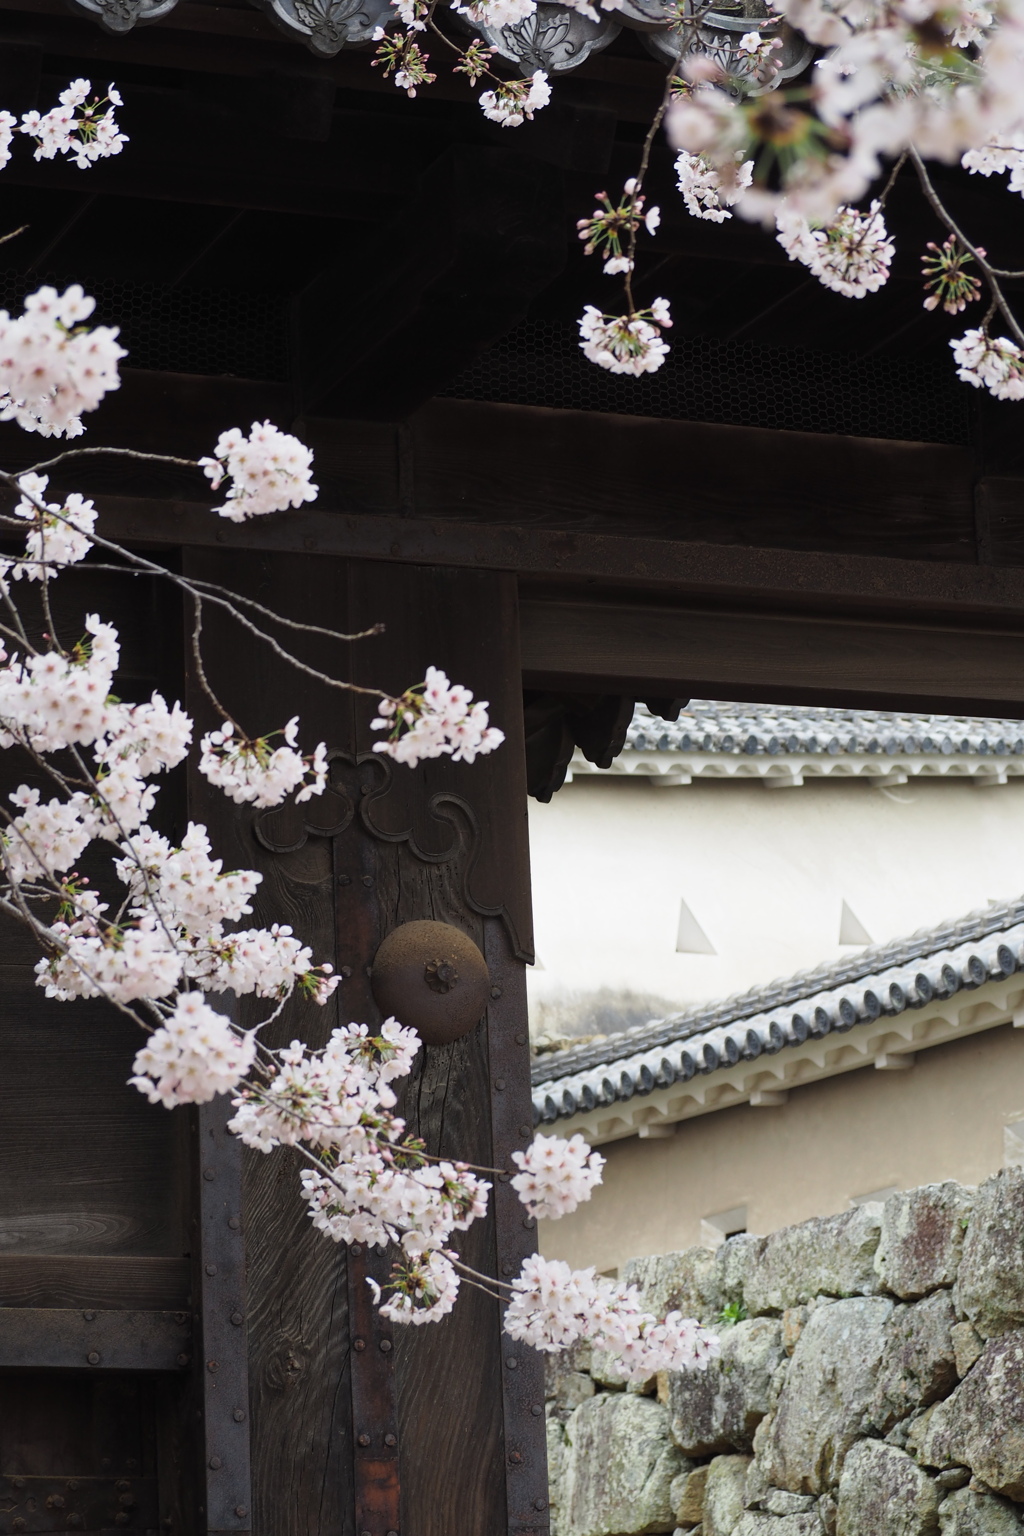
column 782, row 993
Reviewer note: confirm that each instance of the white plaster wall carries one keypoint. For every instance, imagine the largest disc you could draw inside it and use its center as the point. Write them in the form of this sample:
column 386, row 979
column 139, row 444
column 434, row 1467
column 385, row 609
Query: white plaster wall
column 763, row 871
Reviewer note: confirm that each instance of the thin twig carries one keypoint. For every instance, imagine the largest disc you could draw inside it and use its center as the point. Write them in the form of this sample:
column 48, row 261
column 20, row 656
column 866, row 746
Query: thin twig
column 991, row 276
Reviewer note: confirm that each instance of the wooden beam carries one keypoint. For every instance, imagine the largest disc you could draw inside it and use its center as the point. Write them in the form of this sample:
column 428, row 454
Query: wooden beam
column 773, row 657
column 551, row 560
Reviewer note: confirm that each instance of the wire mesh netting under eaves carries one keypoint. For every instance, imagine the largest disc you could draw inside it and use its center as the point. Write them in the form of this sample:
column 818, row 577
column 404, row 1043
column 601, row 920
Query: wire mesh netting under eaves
column 220, row 331
column 740, row 383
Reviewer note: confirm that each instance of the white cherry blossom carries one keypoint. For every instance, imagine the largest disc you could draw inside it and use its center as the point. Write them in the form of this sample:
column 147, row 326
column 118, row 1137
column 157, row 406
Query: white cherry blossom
column 269, row 471
column 53, row 369
column 556, row 1175
column 254, row 773
column 193, row 1057
column 436, row 719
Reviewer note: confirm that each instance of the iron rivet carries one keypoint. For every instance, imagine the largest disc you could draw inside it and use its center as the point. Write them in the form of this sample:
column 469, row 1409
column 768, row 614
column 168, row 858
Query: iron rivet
column 211, row 1365
column 130, row 1462
column 495, row 992
column 211, row 1269
column 179, row 1317
column 390, row 1439
column 234, row 1223
column 73, row 1485
column 90, row 1317
column 526, row 1130
column 92, row 1357
column 390, row 1533
column 511, row 1362
column 55, row 1501
column 364, row 1533
column 238, row 1414
column 540, row 1503
column 529, row 1222
column 355, row 1250
column 122, row 1485
column 344, row 879
column 74, row 1521
column 18, row 1524
column 121, row 1518
column 363, row 1439
column 216, row 1463
column 367, row 879
column 499, row 1083
column 237, row 1319
column 385, row 1345
column 183, row 1359
column 515, row 1458
column 359, row 1344
column 240, row 1511
column 346, row 971
column 520, row 1039
column 209, row 1174
column 536, row 1410
column 19, row 1482
column 507, row 1268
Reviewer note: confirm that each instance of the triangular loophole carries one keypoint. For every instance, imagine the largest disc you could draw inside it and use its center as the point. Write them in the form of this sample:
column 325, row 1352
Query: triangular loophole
column 851, row 929
column 690, row 936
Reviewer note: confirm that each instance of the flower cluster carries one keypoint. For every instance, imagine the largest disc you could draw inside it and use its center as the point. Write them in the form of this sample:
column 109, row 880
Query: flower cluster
column 269, row 471
column 52, row 367
column 851, row 256
column 254, row 773
column 947, row 281
column 1003, row 153
column 495, row 13
column 553, row 1307
column 990, row 362
column 435, row 719
column 60, row 535
column 626, row 343
column 511, row 102
column 708, row 192
column 192, row 1057
column 79, row 127
column 556, row 1175
column 613, row 223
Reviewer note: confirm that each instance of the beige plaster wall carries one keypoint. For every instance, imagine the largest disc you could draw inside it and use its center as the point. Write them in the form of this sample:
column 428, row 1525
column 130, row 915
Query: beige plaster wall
column 944, row 1118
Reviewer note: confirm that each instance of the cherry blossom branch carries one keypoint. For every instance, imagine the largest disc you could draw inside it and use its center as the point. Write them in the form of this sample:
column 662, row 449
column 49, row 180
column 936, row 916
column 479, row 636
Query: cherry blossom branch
column 989, row 272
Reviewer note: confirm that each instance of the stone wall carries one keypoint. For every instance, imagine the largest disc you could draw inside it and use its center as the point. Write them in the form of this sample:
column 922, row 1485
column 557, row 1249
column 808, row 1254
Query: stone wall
column 871, row 1383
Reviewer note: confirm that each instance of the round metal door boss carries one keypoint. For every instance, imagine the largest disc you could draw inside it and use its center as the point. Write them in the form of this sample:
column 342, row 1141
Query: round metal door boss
column 432, row 978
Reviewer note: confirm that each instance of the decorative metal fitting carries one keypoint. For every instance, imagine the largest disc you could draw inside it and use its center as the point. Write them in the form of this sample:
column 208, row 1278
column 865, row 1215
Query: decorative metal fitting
column 122, row 15
column 554, row 38
column 432, row 977
column 363, row 1439
column 327, row 26
column 441, row 975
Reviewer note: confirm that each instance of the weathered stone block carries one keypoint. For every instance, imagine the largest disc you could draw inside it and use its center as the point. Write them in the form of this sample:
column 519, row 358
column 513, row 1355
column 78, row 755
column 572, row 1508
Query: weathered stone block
column 718, row 1409
column 981, row 1425
column 978, row 1514
column 829, row 1256
column 778, row 1525
column 557, row 1450
column 735, row 1262
column 922, row 1238
column 572, row 1388
column 779, row 1502
column 990, row 1281
column 823, row 1406
column 967, row 1346
column 793, row 1320
column 686, row 1282
column 919, row 1365
column 883, row 1493
column 723, row 1495
column 619, row 1468
column 687, row 1496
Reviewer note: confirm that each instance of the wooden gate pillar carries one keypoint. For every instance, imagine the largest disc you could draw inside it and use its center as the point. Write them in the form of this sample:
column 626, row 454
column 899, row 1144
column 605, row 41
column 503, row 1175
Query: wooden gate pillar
column 358, row 1427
